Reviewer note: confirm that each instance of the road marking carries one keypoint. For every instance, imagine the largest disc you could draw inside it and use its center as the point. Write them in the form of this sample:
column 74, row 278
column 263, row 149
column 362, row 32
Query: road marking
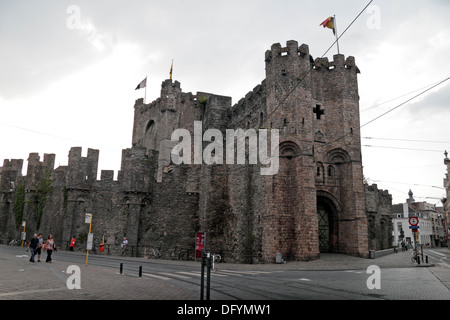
column 304, row 279
column 175, row 275
column 440, row 254
column 190, row 273
column 25, row 292
column 155, row 276
column 244, row 272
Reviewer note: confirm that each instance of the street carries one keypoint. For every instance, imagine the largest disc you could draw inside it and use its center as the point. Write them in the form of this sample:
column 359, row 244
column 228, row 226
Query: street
column 334, row 277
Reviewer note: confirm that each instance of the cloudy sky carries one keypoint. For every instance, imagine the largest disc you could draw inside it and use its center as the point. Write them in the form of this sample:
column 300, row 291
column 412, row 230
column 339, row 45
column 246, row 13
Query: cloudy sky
column 68, row 70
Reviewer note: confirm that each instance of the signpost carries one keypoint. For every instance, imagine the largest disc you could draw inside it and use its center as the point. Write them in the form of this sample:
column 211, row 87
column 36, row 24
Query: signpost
column 200, row 239
column 414, row 226
column 90, row 240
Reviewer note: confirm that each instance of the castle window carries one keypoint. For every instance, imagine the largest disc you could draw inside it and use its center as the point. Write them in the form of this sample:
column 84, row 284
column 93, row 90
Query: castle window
column 150, row 126
column 261, row 119
column 331, row 171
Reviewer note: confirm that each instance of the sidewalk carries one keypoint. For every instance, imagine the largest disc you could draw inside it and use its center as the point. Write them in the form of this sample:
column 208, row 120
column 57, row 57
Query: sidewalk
column 23, row 280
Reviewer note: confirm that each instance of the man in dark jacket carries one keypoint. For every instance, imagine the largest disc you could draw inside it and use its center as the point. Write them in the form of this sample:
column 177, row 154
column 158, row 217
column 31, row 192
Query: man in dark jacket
column 32, row 245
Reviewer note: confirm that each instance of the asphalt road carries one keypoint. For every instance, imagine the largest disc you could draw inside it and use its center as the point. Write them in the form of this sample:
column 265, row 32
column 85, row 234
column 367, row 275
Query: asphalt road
column 334, row 277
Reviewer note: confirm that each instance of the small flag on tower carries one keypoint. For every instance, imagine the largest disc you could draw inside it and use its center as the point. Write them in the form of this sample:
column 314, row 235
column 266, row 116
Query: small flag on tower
column 171, row 68
column 143, row 84
column 329, row 23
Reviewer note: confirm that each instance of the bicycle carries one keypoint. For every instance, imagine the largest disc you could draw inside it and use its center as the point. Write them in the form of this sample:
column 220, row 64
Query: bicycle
column 176, row 255
column 154, row 253
column 215, row 258
column 13, row 243
column 415, row 257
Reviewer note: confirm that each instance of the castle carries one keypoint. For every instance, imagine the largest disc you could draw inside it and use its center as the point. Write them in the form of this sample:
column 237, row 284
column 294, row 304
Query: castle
column 317, row 201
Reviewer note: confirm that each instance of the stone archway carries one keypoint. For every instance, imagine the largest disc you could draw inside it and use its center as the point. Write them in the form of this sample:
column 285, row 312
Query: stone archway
column 328, row 226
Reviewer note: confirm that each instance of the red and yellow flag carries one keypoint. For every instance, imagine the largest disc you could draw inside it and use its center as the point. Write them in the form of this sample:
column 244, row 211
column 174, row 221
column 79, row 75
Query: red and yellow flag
column 171, row 68
column 329, row 23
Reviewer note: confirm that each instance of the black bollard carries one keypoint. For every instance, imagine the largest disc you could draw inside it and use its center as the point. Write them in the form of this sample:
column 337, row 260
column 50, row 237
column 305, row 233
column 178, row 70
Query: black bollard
column 202, row 276
column 140, row 271
column 426, row 259
column 208, row 276
column 121, row 268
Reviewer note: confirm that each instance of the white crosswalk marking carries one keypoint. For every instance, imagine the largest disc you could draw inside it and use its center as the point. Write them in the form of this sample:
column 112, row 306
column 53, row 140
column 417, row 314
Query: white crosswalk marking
column 189, row 275
column 235, row 272
column 155, row 276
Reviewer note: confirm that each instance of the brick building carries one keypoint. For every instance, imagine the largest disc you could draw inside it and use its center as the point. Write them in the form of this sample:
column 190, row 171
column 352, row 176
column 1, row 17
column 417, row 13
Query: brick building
column 316, row 202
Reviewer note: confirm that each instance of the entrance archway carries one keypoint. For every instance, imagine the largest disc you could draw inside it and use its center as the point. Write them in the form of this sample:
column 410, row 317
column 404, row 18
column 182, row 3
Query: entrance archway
column 327, row 216
column 324, row 229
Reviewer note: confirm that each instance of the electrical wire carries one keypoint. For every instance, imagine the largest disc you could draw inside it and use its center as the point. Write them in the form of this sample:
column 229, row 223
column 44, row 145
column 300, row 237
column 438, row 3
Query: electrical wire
column 309, row 71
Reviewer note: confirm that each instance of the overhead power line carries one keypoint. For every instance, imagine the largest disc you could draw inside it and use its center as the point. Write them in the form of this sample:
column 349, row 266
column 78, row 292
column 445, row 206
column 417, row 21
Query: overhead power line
column 405, row 102
column 401, row 148
column 404, row 95
column 309, row 71
column 408, row 140
column 410, row 184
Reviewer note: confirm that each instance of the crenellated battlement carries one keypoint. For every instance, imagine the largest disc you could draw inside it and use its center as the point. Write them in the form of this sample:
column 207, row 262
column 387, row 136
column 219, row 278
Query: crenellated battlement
column 291, row 50
column 310, row 102
column 10, row 173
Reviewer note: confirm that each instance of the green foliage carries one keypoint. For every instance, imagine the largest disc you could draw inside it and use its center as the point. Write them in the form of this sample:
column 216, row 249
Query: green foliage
column 65, row 197
column 19, row 204
column 202, row 101
column 41, row 193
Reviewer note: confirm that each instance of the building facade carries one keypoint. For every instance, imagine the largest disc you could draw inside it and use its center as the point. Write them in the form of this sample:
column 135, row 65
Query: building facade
column 314, row 203
column 431, row 231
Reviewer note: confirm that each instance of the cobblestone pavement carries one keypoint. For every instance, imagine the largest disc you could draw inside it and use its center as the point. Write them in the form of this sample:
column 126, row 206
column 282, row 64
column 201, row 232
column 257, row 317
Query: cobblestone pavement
column 23, row 280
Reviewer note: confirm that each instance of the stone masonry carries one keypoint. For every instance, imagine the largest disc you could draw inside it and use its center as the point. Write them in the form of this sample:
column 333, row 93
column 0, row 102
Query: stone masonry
column 316, row 202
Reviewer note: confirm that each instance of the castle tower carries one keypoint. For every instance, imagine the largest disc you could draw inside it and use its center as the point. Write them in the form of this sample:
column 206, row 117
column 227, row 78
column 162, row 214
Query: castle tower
column 318, row 203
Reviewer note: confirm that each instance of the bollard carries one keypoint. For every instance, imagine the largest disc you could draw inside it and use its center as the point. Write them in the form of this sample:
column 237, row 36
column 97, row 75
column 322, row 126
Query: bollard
column 140, row 271
column 202, row 276
column 121, row 268
column 426, row 259
column 208, row 276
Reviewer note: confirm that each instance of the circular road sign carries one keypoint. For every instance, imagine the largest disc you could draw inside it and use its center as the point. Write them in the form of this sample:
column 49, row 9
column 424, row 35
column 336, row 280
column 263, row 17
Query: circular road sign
column 413, row 221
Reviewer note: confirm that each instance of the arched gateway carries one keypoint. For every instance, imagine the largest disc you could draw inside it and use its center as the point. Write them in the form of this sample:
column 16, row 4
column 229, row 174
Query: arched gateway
column 328, row 223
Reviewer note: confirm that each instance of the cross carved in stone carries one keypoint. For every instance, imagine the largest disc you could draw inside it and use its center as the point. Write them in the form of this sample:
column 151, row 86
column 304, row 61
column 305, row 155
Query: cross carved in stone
column 318, row 111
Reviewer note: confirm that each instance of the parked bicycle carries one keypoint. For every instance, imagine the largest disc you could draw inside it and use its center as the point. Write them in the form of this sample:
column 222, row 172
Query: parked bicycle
column 216, row 258
column 176, row 255
column 13, row 242
column 415, row 257
column 154, row 253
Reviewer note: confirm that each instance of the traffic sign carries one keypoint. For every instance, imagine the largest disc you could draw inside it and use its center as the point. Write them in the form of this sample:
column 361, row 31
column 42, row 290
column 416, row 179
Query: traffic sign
column 414, row 221
column 414, row 227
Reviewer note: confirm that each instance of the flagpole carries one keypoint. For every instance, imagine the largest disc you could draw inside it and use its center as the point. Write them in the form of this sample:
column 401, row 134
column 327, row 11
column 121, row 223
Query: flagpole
column 145, row 94
column 337, row 38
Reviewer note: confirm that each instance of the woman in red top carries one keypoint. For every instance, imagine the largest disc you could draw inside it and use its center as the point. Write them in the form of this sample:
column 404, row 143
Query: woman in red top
column 72, row 243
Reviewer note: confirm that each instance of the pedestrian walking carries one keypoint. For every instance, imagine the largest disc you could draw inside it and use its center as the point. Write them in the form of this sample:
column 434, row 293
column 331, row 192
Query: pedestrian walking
column 72, row 243
column 32, row 246
column 39, row 248
column 49, row 247
column 124, row 245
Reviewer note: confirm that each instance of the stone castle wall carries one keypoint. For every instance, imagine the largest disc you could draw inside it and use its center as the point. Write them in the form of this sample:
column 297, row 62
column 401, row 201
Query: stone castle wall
column 248, row 217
